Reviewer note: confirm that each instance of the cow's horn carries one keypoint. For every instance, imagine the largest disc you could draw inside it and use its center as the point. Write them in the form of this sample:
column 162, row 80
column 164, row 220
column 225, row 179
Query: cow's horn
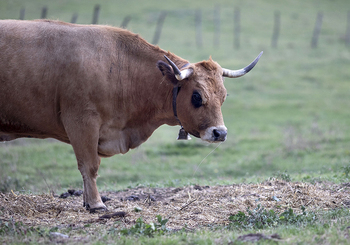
column 180, row 75
column 241, row 72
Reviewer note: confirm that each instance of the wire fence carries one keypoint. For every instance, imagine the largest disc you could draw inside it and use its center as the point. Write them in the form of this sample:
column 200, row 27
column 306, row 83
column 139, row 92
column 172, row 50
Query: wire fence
column 217, row 26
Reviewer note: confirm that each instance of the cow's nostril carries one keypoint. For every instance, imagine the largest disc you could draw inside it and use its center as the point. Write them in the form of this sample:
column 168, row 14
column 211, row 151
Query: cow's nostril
column 219, row 134
column 216, row 133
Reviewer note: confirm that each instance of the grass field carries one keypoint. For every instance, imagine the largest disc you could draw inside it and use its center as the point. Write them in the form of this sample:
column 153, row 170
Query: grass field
column 289, row 118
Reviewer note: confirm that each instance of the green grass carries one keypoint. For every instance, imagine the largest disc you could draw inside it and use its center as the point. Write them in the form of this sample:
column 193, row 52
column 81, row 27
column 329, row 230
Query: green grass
column 289, row 117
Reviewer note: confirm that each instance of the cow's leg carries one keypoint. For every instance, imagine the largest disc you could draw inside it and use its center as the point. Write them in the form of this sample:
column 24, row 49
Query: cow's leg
column 88, row 164
column 84, row 139
column 92, row 199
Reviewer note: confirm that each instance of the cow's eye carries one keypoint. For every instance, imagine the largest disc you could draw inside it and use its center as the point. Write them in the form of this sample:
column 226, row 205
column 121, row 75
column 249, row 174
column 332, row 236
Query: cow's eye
column 196, row 99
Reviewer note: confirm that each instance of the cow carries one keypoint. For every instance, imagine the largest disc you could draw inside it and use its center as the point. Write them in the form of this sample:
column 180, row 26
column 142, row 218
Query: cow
column 102, row 89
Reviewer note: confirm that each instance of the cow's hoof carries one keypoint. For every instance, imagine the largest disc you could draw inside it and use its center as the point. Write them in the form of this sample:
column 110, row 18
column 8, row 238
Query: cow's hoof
column 98, row 210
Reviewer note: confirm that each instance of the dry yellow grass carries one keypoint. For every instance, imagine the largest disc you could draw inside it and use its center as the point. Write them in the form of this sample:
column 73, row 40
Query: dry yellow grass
column 194, row 206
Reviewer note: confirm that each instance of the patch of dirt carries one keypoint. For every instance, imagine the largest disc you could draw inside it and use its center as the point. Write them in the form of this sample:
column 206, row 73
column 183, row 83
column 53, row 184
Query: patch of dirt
column 193, row 206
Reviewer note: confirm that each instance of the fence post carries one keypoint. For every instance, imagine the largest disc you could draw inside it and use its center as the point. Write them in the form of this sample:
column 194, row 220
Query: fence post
column 317, row 30
column 160, row 22
column 236, row 27
column 347, row 35
column 217, row 26
column 198, row 20
column 21, row 13
column 74, row 18
column 43, row 12
column 276, row 29
column 96, row 14
column 125, row 22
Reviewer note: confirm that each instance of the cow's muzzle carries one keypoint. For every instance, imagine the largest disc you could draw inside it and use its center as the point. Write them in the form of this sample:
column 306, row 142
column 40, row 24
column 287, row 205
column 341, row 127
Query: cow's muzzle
column 215, row 134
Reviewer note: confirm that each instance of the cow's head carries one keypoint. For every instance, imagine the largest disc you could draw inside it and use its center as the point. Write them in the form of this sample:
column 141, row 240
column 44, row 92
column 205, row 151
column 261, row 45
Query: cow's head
column 201, row 94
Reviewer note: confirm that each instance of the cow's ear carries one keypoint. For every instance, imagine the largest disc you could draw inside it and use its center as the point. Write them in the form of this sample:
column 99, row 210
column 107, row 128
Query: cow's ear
column 167, row 71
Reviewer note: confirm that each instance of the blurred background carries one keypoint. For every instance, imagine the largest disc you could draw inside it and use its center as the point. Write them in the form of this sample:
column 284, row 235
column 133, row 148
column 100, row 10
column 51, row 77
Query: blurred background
column 288, row 118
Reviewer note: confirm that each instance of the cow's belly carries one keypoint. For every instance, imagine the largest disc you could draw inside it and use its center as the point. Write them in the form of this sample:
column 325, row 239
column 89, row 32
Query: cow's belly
column 11, row 129
column 7, row 137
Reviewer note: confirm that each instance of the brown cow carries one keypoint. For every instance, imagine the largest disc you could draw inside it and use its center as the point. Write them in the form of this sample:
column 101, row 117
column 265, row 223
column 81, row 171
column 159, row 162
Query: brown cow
column 99, row 89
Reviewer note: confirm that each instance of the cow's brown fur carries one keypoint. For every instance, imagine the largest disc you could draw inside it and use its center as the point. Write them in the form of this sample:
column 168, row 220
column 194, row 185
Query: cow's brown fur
column 97, row 88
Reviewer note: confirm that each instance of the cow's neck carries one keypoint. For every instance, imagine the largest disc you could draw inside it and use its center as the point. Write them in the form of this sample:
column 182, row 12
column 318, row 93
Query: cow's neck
column 144, row 103
column 155, row 100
